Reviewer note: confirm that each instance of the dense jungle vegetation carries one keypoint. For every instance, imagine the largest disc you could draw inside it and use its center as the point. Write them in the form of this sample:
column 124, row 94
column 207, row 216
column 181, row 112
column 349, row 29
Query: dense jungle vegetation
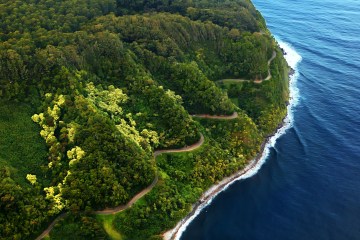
column 90, row 89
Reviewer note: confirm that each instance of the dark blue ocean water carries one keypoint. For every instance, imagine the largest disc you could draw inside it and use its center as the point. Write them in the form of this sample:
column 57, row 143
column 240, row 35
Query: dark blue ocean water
column 309, row 187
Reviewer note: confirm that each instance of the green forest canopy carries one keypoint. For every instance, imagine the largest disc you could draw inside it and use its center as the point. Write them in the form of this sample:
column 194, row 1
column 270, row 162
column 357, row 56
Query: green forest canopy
column 94, row 87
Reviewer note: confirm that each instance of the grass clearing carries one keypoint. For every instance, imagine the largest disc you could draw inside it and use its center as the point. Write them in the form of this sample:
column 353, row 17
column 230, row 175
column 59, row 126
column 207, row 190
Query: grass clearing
column 22, row 149
column 107, row 221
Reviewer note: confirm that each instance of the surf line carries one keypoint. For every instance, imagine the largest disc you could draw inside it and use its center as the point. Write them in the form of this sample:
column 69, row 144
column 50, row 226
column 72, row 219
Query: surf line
column 292, row 58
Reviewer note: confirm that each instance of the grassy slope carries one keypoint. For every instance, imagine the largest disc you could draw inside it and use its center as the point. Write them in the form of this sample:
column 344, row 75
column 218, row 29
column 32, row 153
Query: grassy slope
column 21, row 147
column 107, row 222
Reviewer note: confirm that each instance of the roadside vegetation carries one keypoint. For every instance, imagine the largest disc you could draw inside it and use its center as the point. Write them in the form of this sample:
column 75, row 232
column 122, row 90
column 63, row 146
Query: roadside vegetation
column 89, row 90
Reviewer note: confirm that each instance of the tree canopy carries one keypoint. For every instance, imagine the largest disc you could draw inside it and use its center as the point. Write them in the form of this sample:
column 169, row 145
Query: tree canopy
column 97, row 86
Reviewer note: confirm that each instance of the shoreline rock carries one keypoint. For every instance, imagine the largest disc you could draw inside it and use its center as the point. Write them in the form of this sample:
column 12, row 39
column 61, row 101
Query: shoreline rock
column 291, row 72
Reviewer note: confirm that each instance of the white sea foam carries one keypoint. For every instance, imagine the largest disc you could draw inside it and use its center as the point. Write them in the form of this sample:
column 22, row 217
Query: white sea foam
column 293, row 59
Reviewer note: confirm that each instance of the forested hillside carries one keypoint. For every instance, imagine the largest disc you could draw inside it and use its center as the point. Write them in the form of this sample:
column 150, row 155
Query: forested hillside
column 90, row 89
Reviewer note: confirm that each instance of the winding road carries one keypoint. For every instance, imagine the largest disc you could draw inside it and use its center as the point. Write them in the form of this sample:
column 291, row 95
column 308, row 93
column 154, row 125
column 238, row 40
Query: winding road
column 50, row 227
column 269, row 62
column 108, row 211
column 120, row 208
column 255, row 81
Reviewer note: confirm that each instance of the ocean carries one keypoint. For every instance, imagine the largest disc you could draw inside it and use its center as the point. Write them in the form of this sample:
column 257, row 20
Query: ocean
column 308, row 183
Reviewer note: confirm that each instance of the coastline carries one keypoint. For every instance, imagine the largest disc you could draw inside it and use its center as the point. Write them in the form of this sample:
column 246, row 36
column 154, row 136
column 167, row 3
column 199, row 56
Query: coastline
column 207, row 197
column 254, row 164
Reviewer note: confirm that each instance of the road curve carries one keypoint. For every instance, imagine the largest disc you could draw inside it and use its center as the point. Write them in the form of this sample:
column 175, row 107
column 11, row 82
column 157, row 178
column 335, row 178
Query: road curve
column 120, row 208
column 269, row 62
column 50, row 227
column 108, row 211
column 255, row 81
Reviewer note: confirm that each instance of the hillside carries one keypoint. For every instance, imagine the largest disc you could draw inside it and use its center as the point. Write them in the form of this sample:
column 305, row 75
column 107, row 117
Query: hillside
column 90, row 90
